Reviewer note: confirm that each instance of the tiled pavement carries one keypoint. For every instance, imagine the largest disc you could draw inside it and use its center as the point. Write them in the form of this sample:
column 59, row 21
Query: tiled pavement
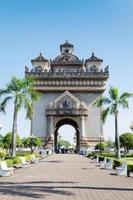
column 65, row 177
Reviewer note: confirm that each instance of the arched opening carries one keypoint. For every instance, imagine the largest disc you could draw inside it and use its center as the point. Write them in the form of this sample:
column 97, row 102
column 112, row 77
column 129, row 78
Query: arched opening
column 74, row 130
column 66, row 137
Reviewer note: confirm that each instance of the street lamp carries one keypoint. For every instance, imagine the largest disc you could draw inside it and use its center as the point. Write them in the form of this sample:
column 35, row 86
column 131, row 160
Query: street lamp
column 131, row 126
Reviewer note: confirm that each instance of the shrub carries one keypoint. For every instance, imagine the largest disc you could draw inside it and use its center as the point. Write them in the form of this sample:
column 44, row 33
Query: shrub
column 104, row 154
column 100, row 146
column 130, row 167
column 129, row 156
column 16, row 160
column 27, row 158
column 101, row 158
column 7, row 141
column 126, row 141
column 23, row 153
column 32, row 143
column 9, row 162
column 2, row 154
column 116, row 163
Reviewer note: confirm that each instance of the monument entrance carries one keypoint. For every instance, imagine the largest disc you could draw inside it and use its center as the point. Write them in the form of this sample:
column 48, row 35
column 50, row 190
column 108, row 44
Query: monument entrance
column 67, row 121
column 69, row 87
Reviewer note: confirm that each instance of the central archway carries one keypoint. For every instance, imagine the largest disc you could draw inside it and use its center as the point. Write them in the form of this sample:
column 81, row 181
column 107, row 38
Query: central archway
column 67, row 121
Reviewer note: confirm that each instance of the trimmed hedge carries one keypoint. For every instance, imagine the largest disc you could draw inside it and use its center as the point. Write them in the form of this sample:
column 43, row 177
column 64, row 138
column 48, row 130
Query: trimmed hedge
column 9, row 162
column 12, row 161
column 130, row 167
column 116, row 163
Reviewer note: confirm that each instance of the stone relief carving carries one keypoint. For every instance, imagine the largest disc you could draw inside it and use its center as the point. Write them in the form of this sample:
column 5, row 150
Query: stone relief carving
column 66, row 101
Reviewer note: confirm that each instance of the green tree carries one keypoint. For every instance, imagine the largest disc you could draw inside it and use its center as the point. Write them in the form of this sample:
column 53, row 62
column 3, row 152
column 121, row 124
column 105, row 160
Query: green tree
column 21, row 92
column 7, row 141
column 66, row 144
column 110, row 144
column 32, row 143
column 126, row 141
column 100, row 146
column 113, row 103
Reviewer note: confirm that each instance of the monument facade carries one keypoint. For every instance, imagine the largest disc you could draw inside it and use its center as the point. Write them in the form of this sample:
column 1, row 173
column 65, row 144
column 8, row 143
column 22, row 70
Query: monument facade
column 69, row 87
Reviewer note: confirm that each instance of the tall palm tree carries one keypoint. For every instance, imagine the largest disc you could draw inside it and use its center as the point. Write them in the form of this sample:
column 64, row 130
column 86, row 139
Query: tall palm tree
column 112, row 105
column 21, row 92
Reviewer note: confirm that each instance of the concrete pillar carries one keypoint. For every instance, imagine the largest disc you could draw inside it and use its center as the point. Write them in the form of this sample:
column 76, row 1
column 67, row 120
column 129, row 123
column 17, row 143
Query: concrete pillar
column 50, row 126
column 82, row 126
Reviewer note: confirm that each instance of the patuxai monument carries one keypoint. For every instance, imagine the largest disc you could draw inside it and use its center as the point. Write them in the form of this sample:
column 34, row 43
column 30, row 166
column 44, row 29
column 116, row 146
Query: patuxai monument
column 69, row 87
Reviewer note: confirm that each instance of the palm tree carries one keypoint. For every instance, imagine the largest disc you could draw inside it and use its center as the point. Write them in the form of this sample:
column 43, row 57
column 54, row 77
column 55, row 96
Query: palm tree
column 21, row 92
column 113, row 103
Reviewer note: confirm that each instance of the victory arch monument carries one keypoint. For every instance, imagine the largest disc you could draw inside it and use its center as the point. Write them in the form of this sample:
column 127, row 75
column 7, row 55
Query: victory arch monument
column 69, row 87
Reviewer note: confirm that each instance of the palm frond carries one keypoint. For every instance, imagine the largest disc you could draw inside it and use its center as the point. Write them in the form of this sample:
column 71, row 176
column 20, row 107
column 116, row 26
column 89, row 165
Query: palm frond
column 28, row 108
column 18, row 101
column 4, row 92
column 114, row 93
column 126, row 95
column 3, row 104
column 102, row 101
column 105, row 113
column 34, row 95
column 114, row 108
column 123, row 102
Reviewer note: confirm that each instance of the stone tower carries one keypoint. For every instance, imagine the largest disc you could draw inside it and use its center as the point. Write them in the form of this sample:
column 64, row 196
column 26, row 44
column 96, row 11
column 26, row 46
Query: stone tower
column 69, row 87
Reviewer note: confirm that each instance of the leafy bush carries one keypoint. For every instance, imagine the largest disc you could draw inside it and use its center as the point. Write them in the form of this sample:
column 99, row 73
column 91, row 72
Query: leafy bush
column 27, row 158
column 104, row 154
column 101, row 158
column 129, row 156
column 32, row 143
column 100, row 146
column 7, row 141
column 16, row 160
column 130, row 167
column 116, row 163
column 91, row 155
column 9, row 162
column 2, row 154
column 126, row 141
column 23, row 153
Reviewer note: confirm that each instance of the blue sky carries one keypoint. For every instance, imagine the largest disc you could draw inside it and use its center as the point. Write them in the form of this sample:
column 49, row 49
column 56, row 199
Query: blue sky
column 30, row 26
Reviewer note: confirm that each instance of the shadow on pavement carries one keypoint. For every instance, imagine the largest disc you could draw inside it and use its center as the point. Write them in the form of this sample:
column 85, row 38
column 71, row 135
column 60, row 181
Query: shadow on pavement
column 41, row 189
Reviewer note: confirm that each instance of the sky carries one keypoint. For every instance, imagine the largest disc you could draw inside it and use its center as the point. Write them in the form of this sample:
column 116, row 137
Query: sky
column 28, row 27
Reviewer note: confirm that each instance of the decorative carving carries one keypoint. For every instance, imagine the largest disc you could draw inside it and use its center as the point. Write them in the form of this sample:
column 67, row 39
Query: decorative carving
column 38, row 69
column 70, row 74
column 93, row 69
column 50, row 105
column 83, row 105
column 106, row 69
column 26, row 69
column 67, row 100
column 66, row 104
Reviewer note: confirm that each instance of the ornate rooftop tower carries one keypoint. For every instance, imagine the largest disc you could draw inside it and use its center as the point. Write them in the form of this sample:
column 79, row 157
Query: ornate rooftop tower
column 69, row 88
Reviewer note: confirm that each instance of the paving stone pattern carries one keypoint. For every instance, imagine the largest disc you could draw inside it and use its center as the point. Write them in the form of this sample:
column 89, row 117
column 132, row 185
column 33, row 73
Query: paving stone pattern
column 65, row 177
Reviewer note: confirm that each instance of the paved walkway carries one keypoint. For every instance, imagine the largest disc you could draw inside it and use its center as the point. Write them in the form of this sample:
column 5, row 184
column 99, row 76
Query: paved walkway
column 65, row 177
